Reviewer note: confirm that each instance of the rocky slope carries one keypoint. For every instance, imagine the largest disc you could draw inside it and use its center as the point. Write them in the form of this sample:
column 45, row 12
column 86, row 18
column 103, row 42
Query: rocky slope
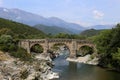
column 86, row 60
column 14, row 69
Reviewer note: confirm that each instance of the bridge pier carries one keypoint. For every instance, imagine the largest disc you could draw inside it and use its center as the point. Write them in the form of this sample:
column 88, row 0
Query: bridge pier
column 46, row 46
column 73, row 49
column 25, row 44
column 28, row 47
column 73, row 54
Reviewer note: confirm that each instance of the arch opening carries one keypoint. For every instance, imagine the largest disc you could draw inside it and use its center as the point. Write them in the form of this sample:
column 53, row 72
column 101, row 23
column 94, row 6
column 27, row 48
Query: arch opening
column 85, row 50
column 58, row 49
column 37, row 48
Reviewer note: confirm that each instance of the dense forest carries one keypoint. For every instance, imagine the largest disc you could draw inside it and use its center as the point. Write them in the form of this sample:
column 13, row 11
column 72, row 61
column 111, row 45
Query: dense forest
column 18, row 30
column 108, row 45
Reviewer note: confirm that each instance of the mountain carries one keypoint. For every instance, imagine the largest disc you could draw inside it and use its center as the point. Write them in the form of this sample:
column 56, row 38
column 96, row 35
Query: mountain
column 98, row 27
column 34, row 19
column 90, row 32
column 75, row 28
column 19, row 30
column 52, row 29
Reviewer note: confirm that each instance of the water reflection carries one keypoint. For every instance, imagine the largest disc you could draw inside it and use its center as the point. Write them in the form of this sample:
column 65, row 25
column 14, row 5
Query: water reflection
column 77, row 71
column 72, row 69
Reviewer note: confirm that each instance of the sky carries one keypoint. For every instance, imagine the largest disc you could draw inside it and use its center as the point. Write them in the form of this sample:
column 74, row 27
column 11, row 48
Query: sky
column 83, row 12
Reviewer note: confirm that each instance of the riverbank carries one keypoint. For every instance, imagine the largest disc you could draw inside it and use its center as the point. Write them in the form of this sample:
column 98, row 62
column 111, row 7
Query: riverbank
column 15, row 69
column 86, row 60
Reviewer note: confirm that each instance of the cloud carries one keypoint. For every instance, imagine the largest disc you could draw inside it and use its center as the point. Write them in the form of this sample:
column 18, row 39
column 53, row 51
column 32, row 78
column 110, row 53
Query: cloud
column 98, row 14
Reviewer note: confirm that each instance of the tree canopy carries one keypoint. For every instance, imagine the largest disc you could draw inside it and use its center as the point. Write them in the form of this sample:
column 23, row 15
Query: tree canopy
column 108, row 44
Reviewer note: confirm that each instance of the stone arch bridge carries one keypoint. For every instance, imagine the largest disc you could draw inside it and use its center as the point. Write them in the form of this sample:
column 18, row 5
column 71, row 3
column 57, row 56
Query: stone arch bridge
column 72, row 44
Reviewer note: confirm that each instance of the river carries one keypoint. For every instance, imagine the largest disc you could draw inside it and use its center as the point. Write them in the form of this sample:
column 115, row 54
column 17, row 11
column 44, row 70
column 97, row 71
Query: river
column 79, row 71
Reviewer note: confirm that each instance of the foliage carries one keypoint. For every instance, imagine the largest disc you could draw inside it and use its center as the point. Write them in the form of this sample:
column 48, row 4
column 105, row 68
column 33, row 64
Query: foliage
column 18, row 30
column 37, row 48
column 5, row 31
column 11, row 32
column 108, row 45
column 116, row 57
column 68, row 36
column 52, row 29
column 103, row 40
column 84, row 50
column 22, row 54
column 7, row 44
column 90, row 32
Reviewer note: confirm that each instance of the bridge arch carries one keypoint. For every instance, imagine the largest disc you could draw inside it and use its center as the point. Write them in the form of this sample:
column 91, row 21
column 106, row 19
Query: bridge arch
column 65, row 44
column 36, row 48
column 85, row 50
column 72, row 44
column 56, row 46
column 88, row 46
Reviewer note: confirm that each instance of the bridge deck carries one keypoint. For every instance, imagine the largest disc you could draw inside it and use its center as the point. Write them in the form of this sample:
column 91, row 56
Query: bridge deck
column 55, row 40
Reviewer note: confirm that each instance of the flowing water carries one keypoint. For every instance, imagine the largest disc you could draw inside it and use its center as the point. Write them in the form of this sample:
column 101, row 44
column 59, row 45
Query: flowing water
column 79, row 71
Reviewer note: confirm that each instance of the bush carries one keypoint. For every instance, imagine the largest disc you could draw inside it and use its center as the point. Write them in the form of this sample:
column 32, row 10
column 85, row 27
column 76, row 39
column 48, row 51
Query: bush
column 4, row 48
column 37, row 48
column 7, row 44
column 22, row 54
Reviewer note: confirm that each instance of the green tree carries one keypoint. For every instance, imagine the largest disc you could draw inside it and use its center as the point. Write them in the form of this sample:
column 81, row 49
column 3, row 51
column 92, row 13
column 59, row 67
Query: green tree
column 84, row 50
column 7, row 43
column 108, row 44
column 37, row 48
column 4, row 39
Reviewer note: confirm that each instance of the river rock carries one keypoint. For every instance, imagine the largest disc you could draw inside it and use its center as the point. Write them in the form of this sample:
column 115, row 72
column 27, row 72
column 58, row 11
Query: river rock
column 19, row 70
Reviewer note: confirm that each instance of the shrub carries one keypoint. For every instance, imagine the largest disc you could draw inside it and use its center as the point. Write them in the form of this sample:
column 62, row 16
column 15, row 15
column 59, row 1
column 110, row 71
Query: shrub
column 22, row 54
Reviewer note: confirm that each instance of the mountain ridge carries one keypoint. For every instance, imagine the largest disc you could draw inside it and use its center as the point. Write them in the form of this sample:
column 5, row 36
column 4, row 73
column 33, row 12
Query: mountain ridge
column 52, row 29
column 99, row 27
column 91, row 32
column 19, row 30
column 34, row 19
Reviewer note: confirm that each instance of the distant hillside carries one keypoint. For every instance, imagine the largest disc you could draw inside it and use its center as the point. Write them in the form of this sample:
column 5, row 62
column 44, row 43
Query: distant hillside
column 90, row 32
column 52, row 29
column 98, row 27
column 19, row 30
column 34, row 19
